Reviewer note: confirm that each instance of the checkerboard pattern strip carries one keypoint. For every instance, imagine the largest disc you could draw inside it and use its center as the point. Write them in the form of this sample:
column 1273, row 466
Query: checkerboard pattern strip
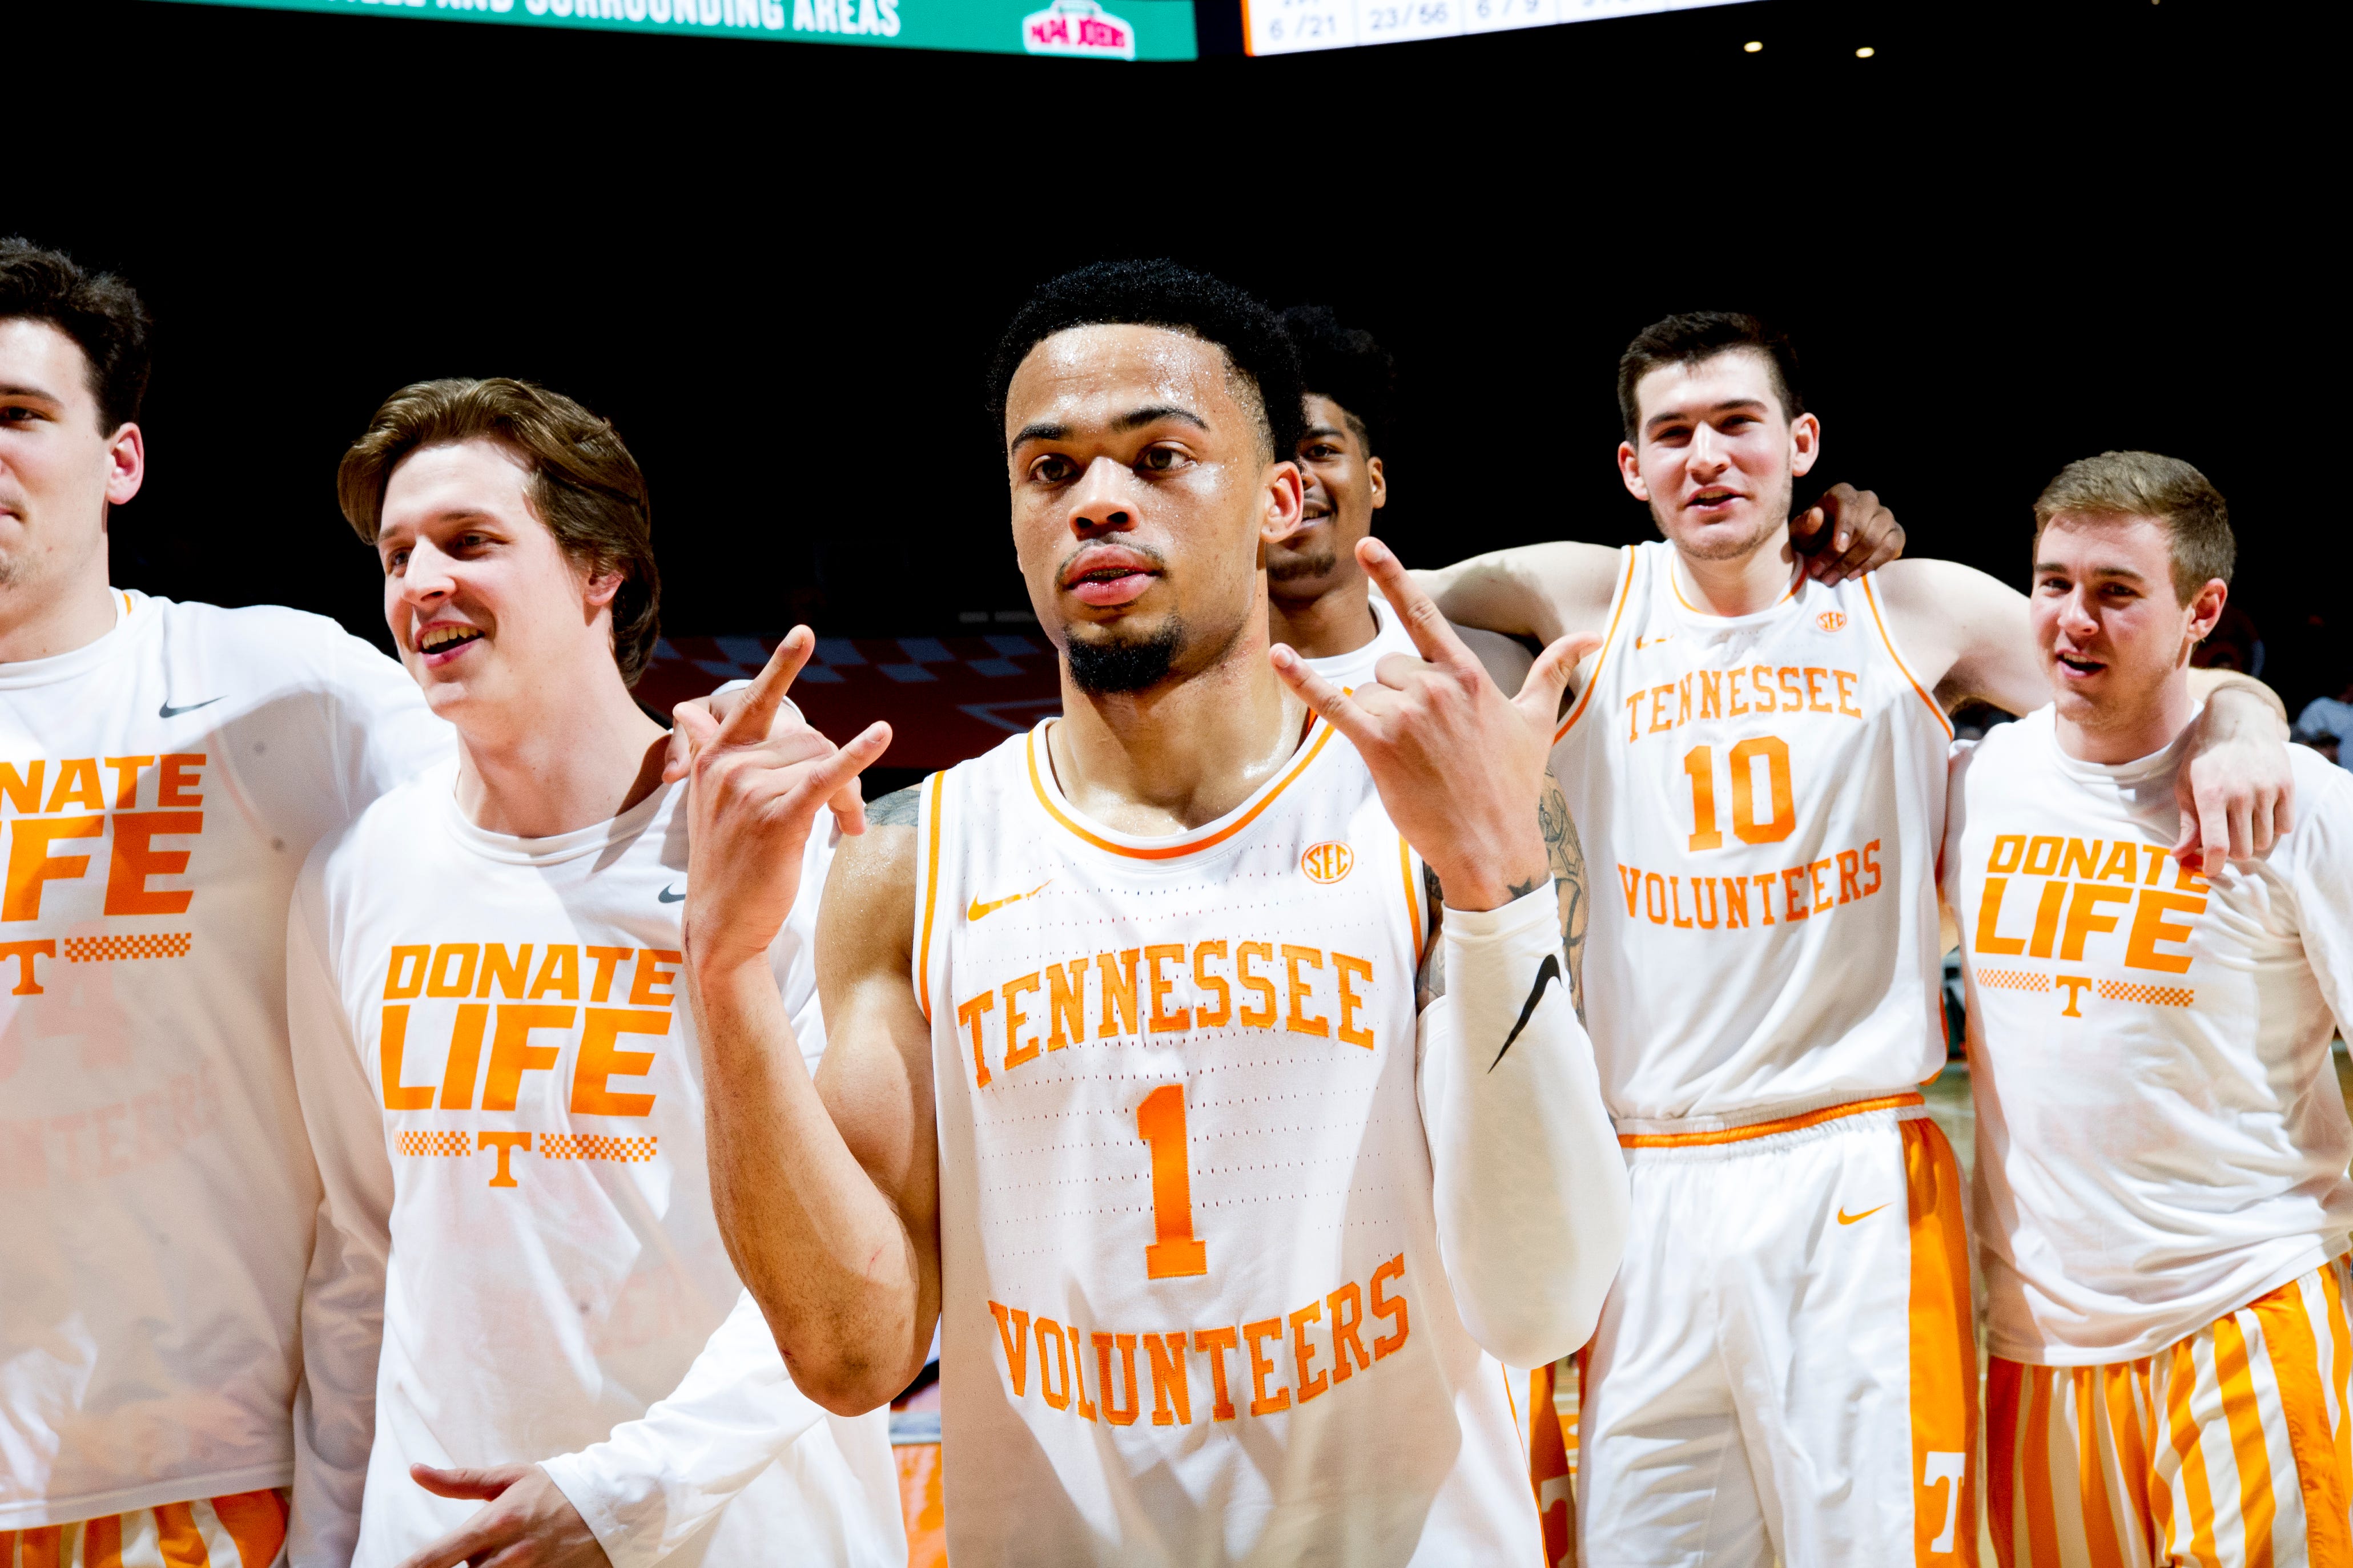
column 2152, row 996
column 424, row 1143
column 2016, row 980
column 596, row 1146
column 102, row 949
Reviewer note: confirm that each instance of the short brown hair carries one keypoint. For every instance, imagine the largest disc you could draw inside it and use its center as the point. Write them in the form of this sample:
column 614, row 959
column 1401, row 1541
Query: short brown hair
column 2164, row 489
column 584, row 485
column 101, row 313
column 1695, row 337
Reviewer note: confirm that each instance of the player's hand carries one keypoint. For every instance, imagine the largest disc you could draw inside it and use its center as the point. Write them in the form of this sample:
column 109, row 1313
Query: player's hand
column 757, row 786
column 1845, row 534
column 526, row 1522
column 2235, row 789
column 694, row 722
column 1460, row 766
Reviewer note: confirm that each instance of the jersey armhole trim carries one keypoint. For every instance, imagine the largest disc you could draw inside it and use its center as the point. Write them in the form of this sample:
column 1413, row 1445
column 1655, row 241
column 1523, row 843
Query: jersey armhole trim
column 931, row 892
column 1878, row 620
column 1415, row 917
column 1609, row 641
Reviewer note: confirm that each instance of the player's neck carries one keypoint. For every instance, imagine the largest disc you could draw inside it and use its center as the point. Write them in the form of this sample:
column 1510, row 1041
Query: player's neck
column 1739, row 584
column 2126, row 730
column 1336, row 621
column 582, row 752
column 43, row 618
column 1183, row 754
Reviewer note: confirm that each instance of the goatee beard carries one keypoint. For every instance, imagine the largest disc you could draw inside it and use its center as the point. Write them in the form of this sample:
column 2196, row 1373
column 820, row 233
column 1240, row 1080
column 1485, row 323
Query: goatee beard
column 1314, row 563
column 1126, row 665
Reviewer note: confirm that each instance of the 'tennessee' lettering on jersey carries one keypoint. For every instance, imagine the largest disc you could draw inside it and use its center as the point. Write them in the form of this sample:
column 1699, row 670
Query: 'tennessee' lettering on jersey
column 1760, row 797
column 1192, row 1307
column 2160, row 1135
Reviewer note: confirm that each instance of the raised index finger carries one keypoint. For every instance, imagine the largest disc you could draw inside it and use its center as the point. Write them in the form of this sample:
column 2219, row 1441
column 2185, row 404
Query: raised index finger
column 1424, row 623
column 748, row 725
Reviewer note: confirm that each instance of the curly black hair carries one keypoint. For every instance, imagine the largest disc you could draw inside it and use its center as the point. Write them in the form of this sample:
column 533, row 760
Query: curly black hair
column 102, row 314
column 1162, row 293
column 1348, row 367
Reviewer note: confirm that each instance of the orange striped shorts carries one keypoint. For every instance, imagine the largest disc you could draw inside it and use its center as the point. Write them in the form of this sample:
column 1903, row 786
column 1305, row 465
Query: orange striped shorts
column 2232, row 1447
column 244, row 1530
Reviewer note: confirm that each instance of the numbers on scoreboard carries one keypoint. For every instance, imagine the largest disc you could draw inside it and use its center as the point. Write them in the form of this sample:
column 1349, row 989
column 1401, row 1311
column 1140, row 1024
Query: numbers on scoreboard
column 1175, row 1252
column 1776, row 823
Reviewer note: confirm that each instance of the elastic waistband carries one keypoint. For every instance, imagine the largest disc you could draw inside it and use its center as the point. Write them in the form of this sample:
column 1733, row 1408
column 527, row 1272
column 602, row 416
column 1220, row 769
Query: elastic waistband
column 1745, row 1131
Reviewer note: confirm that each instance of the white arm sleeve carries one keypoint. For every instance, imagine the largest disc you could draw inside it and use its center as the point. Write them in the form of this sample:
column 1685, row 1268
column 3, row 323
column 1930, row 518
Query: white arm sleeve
column 647, row 1489
column 342, row 1297
column 1530, row 1183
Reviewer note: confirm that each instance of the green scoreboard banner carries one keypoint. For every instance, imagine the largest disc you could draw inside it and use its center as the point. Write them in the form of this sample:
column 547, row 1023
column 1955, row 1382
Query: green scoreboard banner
column 1080, row 29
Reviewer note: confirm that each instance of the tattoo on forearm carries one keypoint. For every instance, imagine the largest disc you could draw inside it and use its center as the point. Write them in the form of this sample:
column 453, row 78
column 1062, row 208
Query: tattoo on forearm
column 1433, row 957
column 896, row 809
column 1568, row 857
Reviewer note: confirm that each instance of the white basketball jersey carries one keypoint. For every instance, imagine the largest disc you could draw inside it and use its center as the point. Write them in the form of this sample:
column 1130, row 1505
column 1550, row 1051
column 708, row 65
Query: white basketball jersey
column 1760, row 798
column 1192, row 1309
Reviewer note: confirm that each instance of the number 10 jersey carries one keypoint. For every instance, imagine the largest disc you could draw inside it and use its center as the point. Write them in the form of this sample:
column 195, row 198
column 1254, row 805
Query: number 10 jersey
column 1192, row 1307
column 1760, row 798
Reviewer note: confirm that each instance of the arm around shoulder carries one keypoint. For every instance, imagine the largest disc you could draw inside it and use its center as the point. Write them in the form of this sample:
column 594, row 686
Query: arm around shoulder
column 1537, row 590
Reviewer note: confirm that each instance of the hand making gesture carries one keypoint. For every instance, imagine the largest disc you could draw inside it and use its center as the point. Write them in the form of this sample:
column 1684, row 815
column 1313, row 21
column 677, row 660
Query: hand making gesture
column 1460, row 766
column 753, row 800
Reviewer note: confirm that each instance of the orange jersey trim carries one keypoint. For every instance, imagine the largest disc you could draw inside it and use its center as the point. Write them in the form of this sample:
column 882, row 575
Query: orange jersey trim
column 1413, row 914
column 1171, row 851
column 1677, row 590
column 1870, row 598
column 1763, row 1129
column 1609, row 641
column 930, row 897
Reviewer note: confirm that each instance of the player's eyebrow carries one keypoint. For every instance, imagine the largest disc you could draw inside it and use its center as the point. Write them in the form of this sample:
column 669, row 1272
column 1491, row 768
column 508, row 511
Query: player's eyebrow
column 2122, row 573
column 1137, row 418
column 12, row 390
column 1323, row 430
column 1675, row 415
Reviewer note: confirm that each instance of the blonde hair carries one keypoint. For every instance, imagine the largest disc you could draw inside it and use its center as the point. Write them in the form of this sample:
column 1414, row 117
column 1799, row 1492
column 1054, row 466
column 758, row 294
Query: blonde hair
column 2164, row 489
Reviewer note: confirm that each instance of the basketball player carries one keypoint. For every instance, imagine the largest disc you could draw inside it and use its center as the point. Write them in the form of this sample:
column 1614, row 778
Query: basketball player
column 2162, row 1205
column 164, row 767
column 1127, row 1086
column 518, row 1249
column 1785, row 1365
column 1322, row 605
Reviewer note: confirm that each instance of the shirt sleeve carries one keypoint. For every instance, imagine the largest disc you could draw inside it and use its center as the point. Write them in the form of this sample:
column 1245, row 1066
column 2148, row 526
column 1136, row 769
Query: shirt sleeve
column 2324, row 891
column 387, row 734
column 657, row 1481
column 344, row 1293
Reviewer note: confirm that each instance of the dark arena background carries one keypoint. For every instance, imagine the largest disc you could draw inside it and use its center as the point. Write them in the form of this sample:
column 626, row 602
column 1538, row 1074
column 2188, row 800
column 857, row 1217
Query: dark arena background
column 2011, row 236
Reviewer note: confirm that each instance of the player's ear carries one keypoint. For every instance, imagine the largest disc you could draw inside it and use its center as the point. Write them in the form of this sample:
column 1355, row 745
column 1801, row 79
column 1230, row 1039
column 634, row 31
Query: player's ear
column 1380, row 483
column 601, row 586
column 1286, row 502
column 126, row 464
column 1629, row 469
column 2205, row 609
column 1805, row 442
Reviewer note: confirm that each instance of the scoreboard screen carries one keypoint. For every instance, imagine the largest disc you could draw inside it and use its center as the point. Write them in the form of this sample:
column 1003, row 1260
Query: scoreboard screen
column 1290, row 26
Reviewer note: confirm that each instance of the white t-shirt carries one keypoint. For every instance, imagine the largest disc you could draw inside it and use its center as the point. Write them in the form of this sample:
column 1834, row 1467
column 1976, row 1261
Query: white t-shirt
column 1358, row 666
column 160, row 787
column 2161, row 1137
column 505, row 1087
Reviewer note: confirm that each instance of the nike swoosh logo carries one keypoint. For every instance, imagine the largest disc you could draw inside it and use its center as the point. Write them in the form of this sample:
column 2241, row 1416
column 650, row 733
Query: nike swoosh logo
column 667, row 897
column 168, row 711
column 1547, row 973
column 1846, row 1218
column 979, row 910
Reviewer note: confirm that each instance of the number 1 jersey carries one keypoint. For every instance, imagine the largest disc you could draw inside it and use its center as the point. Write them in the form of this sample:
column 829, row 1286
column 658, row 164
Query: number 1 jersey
column 1760, row 798
column 1192, row 1306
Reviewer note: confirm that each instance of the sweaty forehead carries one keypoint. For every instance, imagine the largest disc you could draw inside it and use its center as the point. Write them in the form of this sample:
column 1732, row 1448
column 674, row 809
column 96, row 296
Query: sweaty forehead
column 1690, row 388
column 1086, row 377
